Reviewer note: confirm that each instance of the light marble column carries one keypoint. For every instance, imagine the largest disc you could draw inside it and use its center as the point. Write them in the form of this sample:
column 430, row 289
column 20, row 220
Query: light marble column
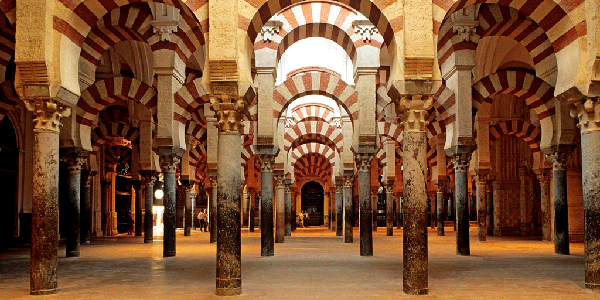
column 461, row 166
column 288, row 208
column 280, row 209
column 339, row 208
column 348, row 211
column 389, row 208
column 212, row 222
column 440, row 187
column 481, row 207
column 267, row 240
column 544, row 178
column 47, row 115
column 561, row 210
column 74, row 159
column 363, row 167
column 169, row 167
column 149, row 178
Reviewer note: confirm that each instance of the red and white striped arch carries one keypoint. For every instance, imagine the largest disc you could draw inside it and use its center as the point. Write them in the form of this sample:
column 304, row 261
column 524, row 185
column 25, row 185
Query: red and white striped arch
column 117, row 154
column 312, row 166
column 312, row 110
column 315, row 83
column 7, row 43
column 196, row 130
column 103, row 132
column 313, row 128
column 304, row 149
column 531, row 134
column 189, row 101
column 8, row 98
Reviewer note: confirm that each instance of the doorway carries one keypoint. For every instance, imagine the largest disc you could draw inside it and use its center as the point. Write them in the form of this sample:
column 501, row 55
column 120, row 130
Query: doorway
column 9, row 157
column 312, row 202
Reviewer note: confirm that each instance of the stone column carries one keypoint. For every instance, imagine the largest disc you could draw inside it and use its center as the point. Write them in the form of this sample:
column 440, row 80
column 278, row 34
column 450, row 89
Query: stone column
column 189, row 212
column 44, row 218
column 339, row 209
column 561, row 211
column 373, row 193
column 489, row 196
column 149, row 178
column 441, row 211
column 363, row 166
column 169, row 167
column 288, row 208
column 348, row 212
column 280, row 209
column 589, row 119
column 212, row 222
column 267, row 240
column 544, row 179
column 413, row 111
column 481, row 207
column 74, row 159
column 389, row 208
column 251, row 207
column 294, row 210
column 139, row 203
column 461, row 166
column 524, row 201
column 399, row 211
column 86, row 208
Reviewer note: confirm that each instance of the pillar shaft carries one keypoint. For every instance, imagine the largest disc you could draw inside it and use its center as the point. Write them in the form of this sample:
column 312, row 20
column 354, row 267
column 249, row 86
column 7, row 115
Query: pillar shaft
column 169, row 167
column 399, row 212
column 544, row 179
column 389, row 208
column 189, row 209
column 339, row 209
column 363, row 165
column 149, row 179
column 461, row 165
column 441, row 211
column 267, row 240
column 524, row 201
column 373, row 193
column 489, row 196
column 280, row 209
column 481, row 207
column 288, row 209
column 212, row 221
column 139, row 205
column 74, row 159
column 561, row 211
column 251, row 210
column 348, row 211
column 86, row 209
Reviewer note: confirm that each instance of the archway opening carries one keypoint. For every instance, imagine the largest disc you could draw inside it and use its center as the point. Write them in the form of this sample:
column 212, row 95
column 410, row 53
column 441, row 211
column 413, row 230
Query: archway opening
column 9, row 157
column 312, row 203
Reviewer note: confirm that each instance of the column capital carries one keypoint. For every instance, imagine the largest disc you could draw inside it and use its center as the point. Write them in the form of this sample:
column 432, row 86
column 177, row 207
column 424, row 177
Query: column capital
column 460, row 161
column 213, row 181
column 413, row 111
column 466, row 30
column 348, row 181
column 588, row 114
column 480, row 179
column 363, row 161
column 279, row 180
column 338, row 187
column 148, row 177
column 270, row 29
column 544, row 178
column 288, row 187
column 365, row 29
column 267, row 162
column 47, row 113
column 169, row 163
column 75, row 158
column 559, row 159
column 228, row 105
column 389, row 188
column 440, row 186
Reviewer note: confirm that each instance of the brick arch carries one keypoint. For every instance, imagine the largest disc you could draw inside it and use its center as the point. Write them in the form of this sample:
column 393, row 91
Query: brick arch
column 313, row 147
column 101, row 133
column 7, row 43
column 198, row 154
column 312, row 110
column 315, row 83
column 190, row 99
column 312, row 165
column 8, row 7
column 390, row 129
column 117, row 153
column 8, row 98
column 196, row 130
column 531, row 134
column 314, row 128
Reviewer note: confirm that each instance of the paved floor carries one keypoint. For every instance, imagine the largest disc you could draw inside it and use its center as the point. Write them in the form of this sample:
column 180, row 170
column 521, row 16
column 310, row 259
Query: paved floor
column 312, row 264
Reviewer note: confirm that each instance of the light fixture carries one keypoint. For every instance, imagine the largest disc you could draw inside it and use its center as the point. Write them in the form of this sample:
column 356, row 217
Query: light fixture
column 158, row 194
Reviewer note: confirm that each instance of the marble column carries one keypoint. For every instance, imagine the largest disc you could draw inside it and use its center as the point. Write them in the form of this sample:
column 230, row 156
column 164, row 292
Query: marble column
column 589, row 120
column 149, row 178
column 267, row 240
column 189, row 212
column 481, row 207
column 524, row 200
column 169, row 167
column 389, row 208
column 288, row 208
column 139, row 204
column 44, row 218
column 86, row 208
column 373, row 193
column 251, row 207
column 74, row 159
column 544, row 179
column 293, row 214
column 363, row 166
column 348, row 211
column 413, row 111
column 212, row 221
column 399, row 211
column 489, row 197
column 461, row 166
column 280, row 209
column 441, row 211
column 561, row 211
column 339, row 209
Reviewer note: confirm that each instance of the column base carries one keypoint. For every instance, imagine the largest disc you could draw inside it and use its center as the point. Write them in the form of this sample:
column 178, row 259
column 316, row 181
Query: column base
column 417, row 291
column 44, row 292
column 73, row 254
column 593, row 286
column 148, row 241
column 169, row 254
column 229, row 287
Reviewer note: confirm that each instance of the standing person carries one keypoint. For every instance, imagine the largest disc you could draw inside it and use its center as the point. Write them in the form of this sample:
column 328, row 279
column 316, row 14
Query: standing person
column 205, row 217
column 201, row 218
column 306, row 218
column 301, row 219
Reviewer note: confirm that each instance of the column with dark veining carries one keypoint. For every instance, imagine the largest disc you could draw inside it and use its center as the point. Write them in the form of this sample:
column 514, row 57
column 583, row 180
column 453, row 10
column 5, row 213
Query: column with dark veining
column 86, row 208
column 461, row 166
column 363, row 166
column 149, row 178
column 440, row 206
column 288, row 208
column 169, row 167
column 190, row 194
column 339, row 208
column 267, row 240
column 561, row 212
column 212, row 209
column 348, row 211
column 74, row 159
column 481, row 207
column 389, row 208
column 489, row 197
column 544, row 177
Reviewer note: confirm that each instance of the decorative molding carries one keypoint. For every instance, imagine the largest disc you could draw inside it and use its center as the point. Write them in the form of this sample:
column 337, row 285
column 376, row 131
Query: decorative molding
column 413, row 111
column 47, row 113
column 213, row 181
column 269, row 30
column 543, row 178
column 559, row 160
column 418, row 68
column 365, row 29
column 165, row 20
column 389, row 188
column 75, row 159
column 461, row 162
column 267, row 163
column 363, row 161
column 348, row 181
column 466, row 31
column 588, row 114
column 228, row 106
column 279, row 180
column 169, row 163
column 480, row 179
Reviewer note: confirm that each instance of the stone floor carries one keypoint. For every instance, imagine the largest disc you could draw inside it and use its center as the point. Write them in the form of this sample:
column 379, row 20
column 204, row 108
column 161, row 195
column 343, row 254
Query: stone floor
column 312, row 264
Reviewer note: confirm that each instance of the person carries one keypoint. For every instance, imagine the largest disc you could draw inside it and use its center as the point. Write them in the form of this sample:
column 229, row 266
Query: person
column 306, row 218
column 201, row 219
column 205, row 218
column 301, row 219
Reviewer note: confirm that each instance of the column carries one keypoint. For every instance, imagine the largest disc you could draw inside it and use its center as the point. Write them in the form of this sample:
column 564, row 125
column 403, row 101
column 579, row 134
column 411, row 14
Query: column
column 44, row 219
column 399, row 212
column 481, row 207
column 267, row 241
column 363, row 166
column 280, row 209
column 589, row 118
column 86, row 208
column 441, row 212
column 524, row 200
column 149, row 178
column 294, row 211
column 389, row 208
column 461, row 166
column 288, row 208
column 74, row 159
column 139, row 204
column 413, row 111
column 373, row 206
column 489, row 196
column 348, row 212
column 251, row 207
column 169, row 167
column 561, row 211
column 544, row 179
column 339, row 208
column 212, row 221
column 189, row 210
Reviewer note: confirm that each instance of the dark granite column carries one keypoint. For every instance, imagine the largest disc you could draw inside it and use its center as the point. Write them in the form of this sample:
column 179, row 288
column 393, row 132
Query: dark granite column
column 339, row 208
column 169, row 167
column 212, row 220
column 189, row 209
column 544, row 177
column 489, row 196
column 267, row 240
column 288, row 208
column 139, row 203
column 461, row 166
column 74, row 159
column 149, row 178
column 363, row 166
column 44, row 218
column 348, row 211
column 251, row 207
column 441, row 211
column 524, row 200
column 280, row 209
column 399, row 212
column 561, row 211
column 294, row 211
column 86, row 208
column 389, row 208
column 373, row 194
column 481, row 207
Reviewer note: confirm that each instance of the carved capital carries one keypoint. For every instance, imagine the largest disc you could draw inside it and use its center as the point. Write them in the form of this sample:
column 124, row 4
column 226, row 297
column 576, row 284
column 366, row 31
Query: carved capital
column 47, row 113
column 480, row 179
column 288, row 188
column 269, row 30
column 365, row 29
column 544, row 178
column 440, row 186
column 148, row 177
column 228, row 105
column 75, row 159
column 413, row 111
column 279, row 180
column 389, row 188
column 363, row 161
column 559, row 160
column 461, row 162
column 169, row 163
column 466, row 31
column 588, row 114
column 267, row 162
column 338, row 188
column 348, row 181
column 165, row 20
column 213, row 181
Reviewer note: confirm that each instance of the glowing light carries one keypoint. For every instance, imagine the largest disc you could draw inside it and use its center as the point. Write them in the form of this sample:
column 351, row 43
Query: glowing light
column 159, row 194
